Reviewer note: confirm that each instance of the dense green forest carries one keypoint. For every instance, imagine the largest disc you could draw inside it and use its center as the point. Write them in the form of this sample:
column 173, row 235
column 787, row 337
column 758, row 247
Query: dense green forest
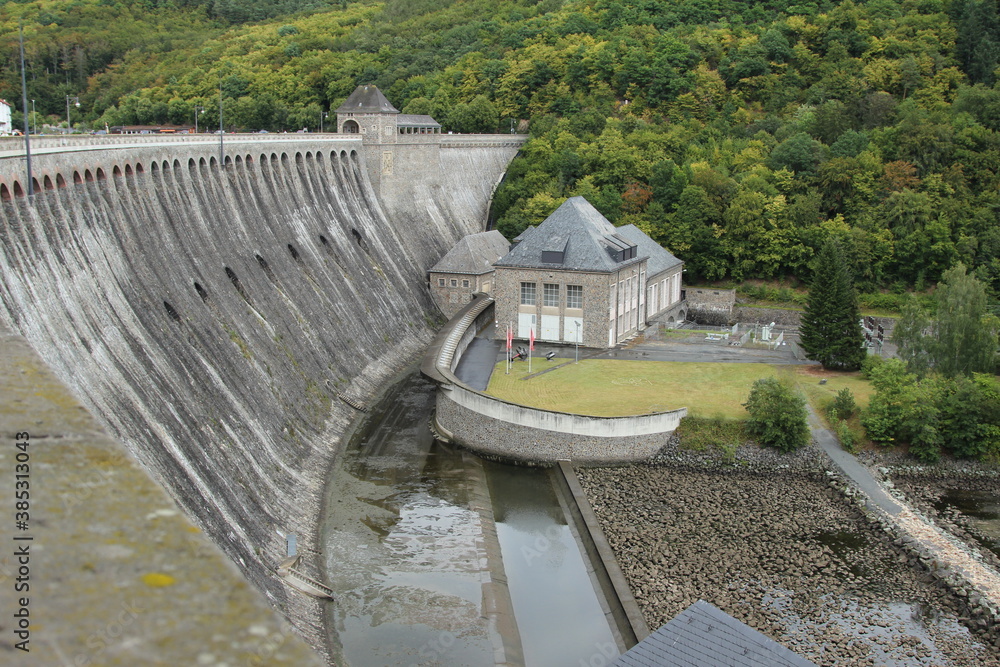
column 741, row 135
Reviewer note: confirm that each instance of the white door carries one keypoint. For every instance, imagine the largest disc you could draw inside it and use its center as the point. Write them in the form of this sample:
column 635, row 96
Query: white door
column 525, row 323
column 550, row 328
column 573, row 332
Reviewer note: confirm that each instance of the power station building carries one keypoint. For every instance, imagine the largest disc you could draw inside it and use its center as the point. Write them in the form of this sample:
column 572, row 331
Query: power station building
column 578, row 278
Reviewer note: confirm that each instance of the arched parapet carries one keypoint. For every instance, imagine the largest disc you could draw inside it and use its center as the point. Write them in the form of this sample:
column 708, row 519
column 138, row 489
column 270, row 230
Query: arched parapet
column 72, row 157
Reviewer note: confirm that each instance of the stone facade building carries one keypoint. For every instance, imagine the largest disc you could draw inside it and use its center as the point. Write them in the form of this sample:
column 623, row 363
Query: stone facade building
column 367, row 112
column 465, row 270
column 578, row 278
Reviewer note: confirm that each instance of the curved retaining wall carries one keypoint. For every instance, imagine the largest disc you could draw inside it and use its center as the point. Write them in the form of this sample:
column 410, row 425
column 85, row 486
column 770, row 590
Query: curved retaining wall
column 508, row 431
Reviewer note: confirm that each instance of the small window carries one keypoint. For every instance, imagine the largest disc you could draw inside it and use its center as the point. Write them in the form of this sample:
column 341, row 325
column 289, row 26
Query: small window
column 440, row 282
column 465, row 283
column 574, row 296
column 528, row 297
column 454, row 282
column 550, row 295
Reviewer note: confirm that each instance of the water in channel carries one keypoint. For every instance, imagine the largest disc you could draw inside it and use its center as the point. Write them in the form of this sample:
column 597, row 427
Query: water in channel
column 981, row 509
column 413, row 555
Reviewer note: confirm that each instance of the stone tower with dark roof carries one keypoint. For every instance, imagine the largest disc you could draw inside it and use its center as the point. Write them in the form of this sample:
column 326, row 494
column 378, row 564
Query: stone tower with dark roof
column 367, row 112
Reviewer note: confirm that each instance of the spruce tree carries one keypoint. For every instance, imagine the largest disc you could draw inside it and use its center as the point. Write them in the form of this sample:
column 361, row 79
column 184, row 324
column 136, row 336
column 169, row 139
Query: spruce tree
column 831, row 331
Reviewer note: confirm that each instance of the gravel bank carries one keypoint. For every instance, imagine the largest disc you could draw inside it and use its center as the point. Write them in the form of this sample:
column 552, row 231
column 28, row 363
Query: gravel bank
column 784, row 552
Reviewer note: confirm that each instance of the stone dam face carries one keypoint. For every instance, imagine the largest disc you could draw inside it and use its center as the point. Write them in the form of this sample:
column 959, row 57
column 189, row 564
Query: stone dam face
column 212, row 318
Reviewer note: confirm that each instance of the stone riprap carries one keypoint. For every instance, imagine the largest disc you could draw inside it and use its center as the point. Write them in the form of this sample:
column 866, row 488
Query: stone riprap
column 928, row 495
column 212, row 319
column 786, row 552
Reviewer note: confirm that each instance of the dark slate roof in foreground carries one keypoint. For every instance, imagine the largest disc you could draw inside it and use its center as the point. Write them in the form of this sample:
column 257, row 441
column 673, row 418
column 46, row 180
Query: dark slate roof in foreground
column 366, row 99
column 474, row 254
column 580, row 232
column 660, row 259
column 705, row 636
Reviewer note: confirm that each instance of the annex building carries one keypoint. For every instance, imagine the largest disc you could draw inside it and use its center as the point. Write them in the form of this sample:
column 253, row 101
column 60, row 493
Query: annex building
column 576, row 278
column 465, row 270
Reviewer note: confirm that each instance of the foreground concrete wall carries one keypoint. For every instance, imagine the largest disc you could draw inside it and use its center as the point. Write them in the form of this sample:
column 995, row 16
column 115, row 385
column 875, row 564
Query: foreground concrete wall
column 114, row 574
column 212, row 318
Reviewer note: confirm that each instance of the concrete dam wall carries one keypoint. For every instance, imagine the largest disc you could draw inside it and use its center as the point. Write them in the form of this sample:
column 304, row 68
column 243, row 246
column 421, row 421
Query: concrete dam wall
column 212, row 317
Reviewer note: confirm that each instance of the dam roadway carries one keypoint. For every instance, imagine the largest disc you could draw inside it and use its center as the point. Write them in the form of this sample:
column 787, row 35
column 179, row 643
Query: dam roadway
column 212, row 318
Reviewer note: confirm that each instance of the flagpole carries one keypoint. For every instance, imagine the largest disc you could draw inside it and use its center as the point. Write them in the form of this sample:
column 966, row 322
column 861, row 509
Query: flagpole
column 531, row 346
column 507, row 344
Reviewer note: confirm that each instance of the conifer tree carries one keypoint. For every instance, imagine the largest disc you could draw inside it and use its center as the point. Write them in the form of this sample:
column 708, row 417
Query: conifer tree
column 830, row 331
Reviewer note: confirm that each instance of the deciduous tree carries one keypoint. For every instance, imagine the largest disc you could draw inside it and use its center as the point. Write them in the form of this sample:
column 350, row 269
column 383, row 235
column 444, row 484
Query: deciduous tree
column 961, row 340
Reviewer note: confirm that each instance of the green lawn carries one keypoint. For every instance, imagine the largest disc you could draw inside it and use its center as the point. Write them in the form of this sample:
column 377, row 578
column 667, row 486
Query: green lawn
column 607, row 387
column 821, row 395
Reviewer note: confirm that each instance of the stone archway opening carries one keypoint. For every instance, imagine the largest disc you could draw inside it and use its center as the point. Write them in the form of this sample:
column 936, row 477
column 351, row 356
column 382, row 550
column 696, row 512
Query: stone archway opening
column 351, row 127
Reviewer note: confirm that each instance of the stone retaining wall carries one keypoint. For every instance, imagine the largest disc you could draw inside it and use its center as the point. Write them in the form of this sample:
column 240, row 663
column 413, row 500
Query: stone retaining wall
column 510, row 432
column 500, row 439
column 751, row 315
column 710, row 306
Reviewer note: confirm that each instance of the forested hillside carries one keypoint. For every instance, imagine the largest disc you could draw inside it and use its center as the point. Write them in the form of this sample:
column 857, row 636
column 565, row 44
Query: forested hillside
column 740, row 134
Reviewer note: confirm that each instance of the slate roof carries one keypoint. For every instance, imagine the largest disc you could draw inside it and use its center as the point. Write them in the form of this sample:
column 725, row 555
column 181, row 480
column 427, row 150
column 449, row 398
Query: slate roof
column 705, row 636
column 474, row 254
column 366, row 99
column 580, row 232
column 523, row 235
column 660, row 259
column 415, row 120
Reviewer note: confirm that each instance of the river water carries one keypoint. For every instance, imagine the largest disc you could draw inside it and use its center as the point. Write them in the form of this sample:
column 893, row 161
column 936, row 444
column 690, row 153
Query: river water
column 981, row 508
column 413, row 554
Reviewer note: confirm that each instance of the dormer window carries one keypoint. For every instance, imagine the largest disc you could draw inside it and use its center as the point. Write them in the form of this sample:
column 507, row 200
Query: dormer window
column 553, row 256
column 620, row 249
column 556, row 254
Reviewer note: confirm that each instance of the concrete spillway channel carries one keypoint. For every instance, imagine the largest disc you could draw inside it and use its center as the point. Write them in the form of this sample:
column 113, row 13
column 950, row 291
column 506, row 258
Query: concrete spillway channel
column 439, row 558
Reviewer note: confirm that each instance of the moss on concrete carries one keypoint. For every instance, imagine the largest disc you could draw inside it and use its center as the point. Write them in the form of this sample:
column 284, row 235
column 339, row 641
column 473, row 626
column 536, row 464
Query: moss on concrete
column 118, row 576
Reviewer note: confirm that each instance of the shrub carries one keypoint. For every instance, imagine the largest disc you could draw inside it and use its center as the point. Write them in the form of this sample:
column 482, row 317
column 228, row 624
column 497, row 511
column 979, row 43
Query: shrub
column 846, row 437
column 870, row 364
column 777, row 415
column 843, row 406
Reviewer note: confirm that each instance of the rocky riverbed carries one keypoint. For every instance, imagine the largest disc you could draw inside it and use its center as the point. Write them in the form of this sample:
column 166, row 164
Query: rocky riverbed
column 786, row 553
